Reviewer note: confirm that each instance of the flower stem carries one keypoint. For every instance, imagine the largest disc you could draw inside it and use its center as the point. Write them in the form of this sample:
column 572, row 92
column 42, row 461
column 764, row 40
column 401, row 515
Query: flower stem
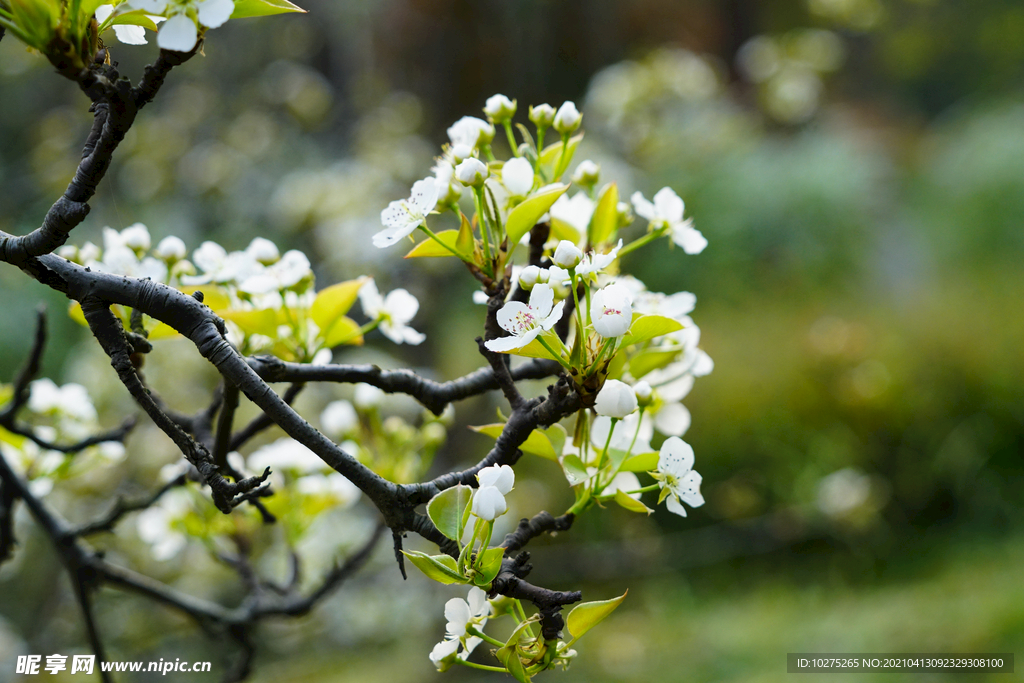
column 511, row 138
column 485, row 231
column 474, row 665
column 561, row 157
column 581, row 331
column 431, row 235
column 473, row 631
column 639, row 242
column 557, row 356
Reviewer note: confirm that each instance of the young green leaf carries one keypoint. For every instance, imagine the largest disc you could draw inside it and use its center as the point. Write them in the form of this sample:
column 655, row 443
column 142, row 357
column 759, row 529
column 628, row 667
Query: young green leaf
column 648, row 327
column 537, row 443
column 575, row 470
column 345, row 330
column 262, row 8
column 440, row 568
column 522, row 218
column 430, row 247
column 587, row 615
column 642, row 462
column 490, row 565
column 447, row 510
column 606, row 215
column 631, row 504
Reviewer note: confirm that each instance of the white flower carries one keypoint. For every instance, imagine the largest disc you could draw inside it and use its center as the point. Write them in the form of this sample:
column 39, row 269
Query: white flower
column 129, row 35
column 154, row 524
column 499, row 108
column 675, row 306
column 676, row 477
column 470, row 131
column 593, row 262
column 525, row 322
column 567, row 255
column 449, row 191
column 393, row 312
column 292, row 269
column 338, row 418
column 71, row 400
column 616, row 399
column 612, row 312
column 542, row 115
column 404, row 215
column 263, row 250
column 472, row 172
column 495, row 483
column 180, row 32
column 643, row 392
column 517, row 176
column 221, row 267
column 672, row 419
column 285, row 454
column 120, row 255
column 367, row 396
column 443, row 653
column 136, row 237
column 171, row 249
column 333, row 485
column 461, row 615
column 667, row 211
column 587, row 173
column 568, row 118
column 577, row 211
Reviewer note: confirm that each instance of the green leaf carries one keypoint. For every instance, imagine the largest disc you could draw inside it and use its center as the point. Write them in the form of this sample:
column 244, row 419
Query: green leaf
column 490, row 566
column 335, row 301
column 522, row 218
column 537, row 443
column 136, row 18
column 262, row 8
column 648, row 327
column 11, row 438
column 447, row 510
column 631, row 504
column 644, row 362
column 537, row 350
column 440, row 568
column 262, row 321
column 561, row 230
column 586, row 616
column 642, row 462
column 557, row 436
column 552, row 155
column 605, row 220
column 465, row 243
column 575, row 470
column 510, row 659
column 345, row 330
column 430, row 248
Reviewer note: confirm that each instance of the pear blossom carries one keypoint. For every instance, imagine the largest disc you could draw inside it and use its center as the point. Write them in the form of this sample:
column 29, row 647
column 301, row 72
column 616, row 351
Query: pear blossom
column 525, row 321
column 461, row 614
column 612, row 312
column 263, row 250
column 675, row 306
column 587, row 173
column 567, row 255
column 367, row 396
column 155, row 525
column 338, row 418
column 393, row 311
column 136, row 237
column 616, row 399
column 332, row 485
column 221, row 267
column 470, row 131
column 495, row 484
column 667, row 212
column 449, row 191
column 499, row 108
column 576, row 212
column 180, row 32
column 517, row 176
column 171, row 248
column 568, row 118
column 129, row 35
column 71, row 400
column 542, row 115
column 404, row 215
column 471, row 172
column 676, row 477
column 593, row 262
column 292, row 269
column 286, row 454
column 120, row 255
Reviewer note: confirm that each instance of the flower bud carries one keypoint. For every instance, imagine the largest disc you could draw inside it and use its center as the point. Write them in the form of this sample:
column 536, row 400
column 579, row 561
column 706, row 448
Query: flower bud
column 263, row 250
column 644, row 393
column 625, row 214
column 181, row 268
column 367, row 396
column 568, row 118
column 542, row 116
column 460, row 152
column 472, row 172
column 616, row 399
column 587, row 173
column 170, row 249
column 500, row 108
column 529, row 277
column 136, row 237
column 567, row 255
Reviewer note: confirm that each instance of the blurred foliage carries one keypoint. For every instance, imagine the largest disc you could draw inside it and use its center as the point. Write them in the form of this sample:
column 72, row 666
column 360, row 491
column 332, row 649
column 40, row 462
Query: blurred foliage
column 860, row 437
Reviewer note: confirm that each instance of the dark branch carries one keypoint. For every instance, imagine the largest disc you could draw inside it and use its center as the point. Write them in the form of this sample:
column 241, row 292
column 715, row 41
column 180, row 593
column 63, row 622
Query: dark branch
column 529, row 529
column 122, row 508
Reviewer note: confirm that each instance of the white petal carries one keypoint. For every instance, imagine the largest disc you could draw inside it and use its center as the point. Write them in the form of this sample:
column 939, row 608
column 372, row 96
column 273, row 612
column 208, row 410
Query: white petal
column 673, row 419
column 556, row 315
column 625, row 482
column 214, row 13
column 541, row 299
column 517, row 176
column 151, row 6
column 104, row 11
column 676, row 457
column 689, row 490
column 371, row 300
column 502, row 478
column 488, row 503
column 673, row 505
column 130, row 35
column 424, row 195
column 178, row 33
column 508, row 314
column 458, row 614
column 504, row 344
column 689, row 238
column 401, row 305
column 478, row 604
column 642, row 207
column 668, row 205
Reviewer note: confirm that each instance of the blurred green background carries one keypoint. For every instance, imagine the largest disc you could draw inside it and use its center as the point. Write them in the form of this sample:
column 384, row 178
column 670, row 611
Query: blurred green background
column 858, row 169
